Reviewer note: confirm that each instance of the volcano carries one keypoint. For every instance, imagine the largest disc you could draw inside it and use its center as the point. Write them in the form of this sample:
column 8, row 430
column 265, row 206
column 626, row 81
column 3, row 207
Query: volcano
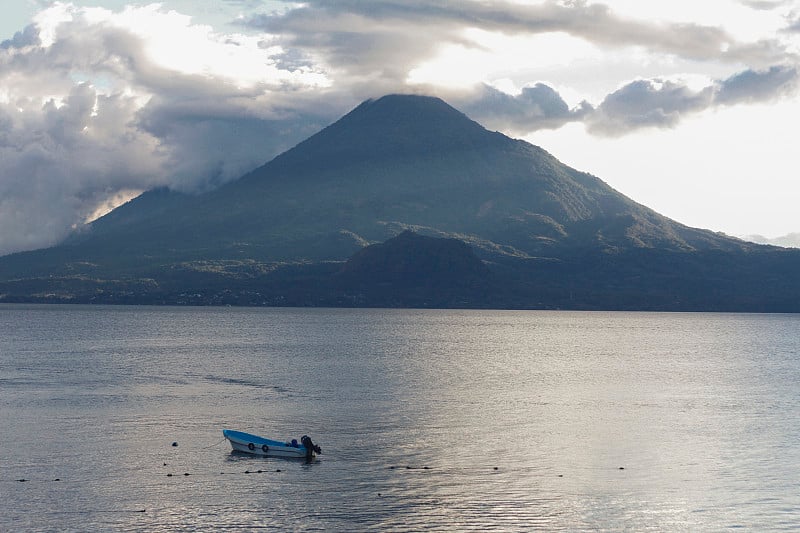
column 549, row 235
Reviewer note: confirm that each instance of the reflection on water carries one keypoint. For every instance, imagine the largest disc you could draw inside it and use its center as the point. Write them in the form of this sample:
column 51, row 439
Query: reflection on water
column 447, row 420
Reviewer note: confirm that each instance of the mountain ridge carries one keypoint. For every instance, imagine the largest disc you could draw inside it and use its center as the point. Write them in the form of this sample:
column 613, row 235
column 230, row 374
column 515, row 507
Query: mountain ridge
column 352, row 159
column 396, row 163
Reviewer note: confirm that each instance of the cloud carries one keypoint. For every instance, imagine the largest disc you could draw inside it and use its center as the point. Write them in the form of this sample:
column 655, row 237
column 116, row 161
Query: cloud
column 212, row 141
column 366, row 47
column 373, row 46
column 764, row 5
column 757, row 86
column 536, row 107
column 27, row 37
column 58, row 161
column 396, row 35
column 647, row 103
column 663, row 103
column 90, row 110
column 794, row 26
column 97, row 104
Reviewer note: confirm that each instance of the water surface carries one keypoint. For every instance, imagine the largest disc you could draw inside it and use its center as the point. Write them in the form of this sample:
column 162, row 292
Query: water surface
column 449, row 420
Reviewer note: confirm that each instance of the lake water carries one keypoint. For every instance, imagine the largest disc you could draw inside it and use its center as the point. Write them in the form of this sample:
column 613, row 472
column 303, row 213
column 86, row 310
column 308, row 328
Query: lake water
column 428, row 420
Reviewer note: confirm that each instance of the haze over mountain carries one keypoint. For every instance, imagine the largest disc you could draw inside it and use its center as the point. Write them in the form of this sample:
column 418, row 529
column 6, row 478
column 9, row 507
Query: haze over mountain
column 791, row 240
column 397, row 163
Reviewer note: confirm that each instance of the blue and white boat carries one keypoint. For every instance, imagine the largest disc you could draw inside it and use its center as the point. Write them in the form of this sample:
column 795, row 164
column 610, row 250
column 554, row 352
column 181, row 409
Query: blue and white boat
column 253, row 444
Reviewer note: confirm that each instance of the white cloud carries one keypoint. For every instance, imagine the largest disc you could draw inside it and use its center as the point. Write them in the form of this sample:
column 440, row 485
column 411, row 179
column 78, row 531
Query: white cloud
column 48, row 20
column 60, row 161
column 492, row 54
column 740, row 20
column 95, row 103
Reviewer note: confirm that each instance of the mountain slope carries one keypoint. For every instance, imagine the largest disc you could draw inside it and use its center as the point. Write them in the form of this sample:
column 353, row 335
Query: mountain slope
column 402, row 162
column 410, row 161
column 417, row 271
column 397, row 163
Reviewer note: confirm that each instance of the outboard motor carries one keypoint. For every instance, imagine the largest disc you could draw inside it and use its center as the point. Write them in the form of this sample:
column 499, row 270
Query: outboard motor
column 310, row 447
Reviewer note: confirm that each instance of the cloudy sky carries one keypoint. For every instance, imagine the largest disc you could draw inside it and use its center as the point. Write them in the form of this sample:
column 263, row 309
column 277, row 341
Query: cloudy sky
column 689, row 107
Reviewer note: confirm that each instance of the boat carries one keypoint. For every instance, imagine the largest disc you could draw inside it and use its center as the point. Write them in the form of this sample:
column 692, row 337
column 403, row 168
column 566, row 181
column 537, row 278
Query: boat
column 255, row 445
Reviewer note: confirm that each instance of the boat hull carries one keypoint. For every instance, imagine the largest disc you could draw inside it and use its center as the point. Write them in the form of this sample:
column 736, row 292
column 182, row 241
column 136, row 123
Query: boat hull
column 255, row 445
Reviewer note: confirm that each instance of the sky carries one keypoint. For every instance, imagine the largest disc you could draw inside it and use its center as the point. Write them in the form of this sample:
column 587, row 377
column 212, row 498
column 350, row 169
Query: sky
column 688, row 107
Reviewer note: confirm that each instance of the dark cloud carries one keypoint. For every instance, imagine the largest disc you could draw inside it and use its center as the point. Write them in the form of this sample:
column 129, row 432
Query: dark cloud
column 757, row 86
column 647, row 103
column 651, row 103
column 390, row 36
column 536, row 107
column 657, row 103
column 355, row 46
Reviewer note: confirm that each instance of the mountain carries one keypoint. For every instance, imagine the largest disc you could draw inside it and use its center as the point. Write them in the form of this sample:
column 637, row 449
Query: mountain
column 425, row 271
column 291, row 231
column 396, row 163
column 791, row 240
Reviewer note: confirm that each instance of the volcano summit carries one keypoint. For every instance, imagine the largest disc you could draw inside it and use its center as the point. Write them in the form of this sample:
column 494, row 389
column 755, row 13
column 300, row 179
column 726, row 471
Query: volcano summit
column 532, row 232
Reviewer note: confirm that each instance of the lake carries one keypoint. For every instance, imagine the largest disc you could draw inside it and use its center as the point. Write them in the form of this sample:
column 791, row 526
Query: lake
column 427, row 419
